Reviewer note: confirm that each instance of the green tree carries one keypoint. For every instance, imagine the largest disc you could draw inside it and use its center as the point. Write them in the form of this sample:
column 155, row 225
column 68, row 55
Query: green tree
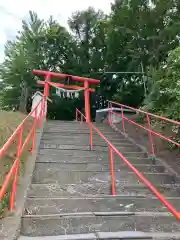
column 21, row 56
column 143, row 32
column 90, row 29
column 40, row 45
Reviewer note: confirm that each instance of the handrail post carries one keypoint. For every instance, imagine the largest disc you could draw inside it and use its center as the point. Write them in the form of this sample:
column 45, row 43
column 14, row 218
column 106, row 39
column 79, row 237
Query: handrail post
column 34, row 132
column 91, row 140
column 112, row 171
column 81, row 118
column 14, row 184
column 150, row 137
column 123, row 126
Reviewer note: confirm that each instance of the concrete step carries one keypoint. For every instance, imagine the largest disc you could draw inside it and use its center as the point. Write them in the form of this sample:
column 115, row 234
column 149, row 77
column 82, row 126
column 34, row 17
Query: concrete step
column 69, row 190
column 85, row 133
column 130, row 235
column 58, row 123
column 67, row 151
column 88, row 153
column 44, row 206
column 85, row 147
column 81, row 139
column 85, row 142
column 69, row 130
column 88, row 166
column 70, row 177
column 84, row 157
column 57, row 224
column 67, row 124
column 100, row 146
column 86, row 136
column 80, row 126
column 168, row 190
column 52, row 175
column 99, row 189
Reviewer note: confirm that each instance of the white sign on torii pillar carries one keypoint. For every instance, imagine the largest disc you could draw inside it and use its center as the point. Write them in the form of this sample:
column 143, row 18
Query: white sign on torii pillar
column 36, row 99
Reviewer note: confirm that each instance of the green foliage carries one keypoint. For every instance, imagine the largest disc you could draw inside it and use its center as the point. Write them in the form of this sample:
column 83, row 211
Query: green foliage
column 143, row 32
column 89, row 28
column 165, row 95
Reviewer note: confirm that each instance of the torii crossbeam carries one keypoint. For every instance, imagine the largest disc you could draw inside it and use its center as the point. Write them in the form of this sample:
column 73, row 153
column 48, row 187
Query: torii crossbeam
column 86, row 82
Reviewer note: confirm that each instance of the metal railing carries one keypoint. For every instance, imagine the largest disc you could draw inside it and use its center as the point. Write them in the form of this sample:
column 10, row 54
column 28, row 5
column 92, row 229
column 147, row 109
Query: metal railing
column 149, row 117
column 37, row 114
column 112, row 150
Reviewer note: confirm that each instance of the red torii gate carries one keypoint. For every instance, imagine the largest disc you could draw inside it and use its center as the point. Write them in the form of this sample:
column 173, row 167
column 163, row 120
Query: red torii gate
column 86, row 81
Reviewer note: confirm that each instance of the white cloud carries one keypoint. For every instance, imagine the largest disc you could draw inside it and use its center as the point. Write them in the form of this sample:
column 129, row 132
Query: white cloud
column 12, row 12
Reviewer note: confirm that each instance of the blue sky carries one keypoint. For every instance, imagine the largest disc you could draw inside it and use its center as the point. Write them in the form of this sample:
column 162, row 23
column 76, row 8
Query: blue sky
column 13, row 11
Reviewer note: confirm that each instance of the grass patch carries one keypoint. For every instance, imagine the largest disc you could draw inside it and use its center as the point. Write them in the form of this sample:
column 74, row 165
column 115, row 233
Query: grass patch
column 9, row 121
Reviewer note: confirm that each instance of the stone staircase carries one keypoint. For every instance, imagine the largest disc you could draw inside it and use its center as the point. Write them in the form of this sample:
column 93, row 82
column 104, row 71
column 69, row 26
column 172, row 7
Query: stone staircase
column 70, row 195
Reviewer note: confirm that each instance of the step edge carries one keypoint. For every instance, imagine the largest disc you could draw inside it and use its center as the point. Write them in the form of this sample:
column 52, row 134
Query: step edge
column 108, row 235
column 106, row 171
column 124, row 185
column 98, row 198
column 83, row 150
column 107, row 196
column 81, row 156
column 100, row 214
column 101, row 163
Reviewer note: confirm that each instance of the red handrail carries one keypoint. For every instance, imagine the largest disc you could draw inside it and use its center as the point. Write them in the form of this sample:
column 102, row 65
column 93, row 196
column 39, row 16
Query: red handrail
column 148, row 117
column 150, row 114
column 18, row 133
column 140, row 175
column 139, row 125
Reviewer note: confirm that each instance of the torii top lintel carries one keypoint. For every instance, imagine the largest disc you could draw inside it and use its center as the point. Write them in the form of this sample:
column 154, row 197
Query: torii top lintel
column 62, row 75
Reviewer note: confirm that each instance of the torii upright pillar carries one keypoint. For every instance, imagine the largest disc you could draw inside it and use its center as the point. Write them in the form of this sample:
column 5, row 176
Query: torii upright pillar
column 84, row 80
column 87, row 101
